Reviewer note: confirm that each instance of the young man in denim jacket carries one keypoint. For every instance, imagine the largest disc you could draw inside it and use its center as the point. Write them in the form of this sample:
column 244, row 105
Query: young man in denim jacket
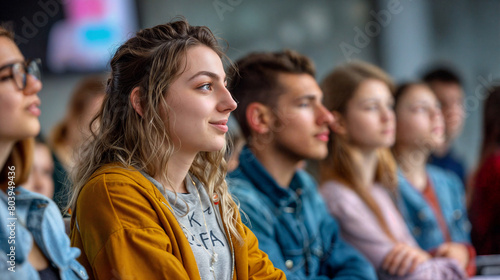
column 284, row 122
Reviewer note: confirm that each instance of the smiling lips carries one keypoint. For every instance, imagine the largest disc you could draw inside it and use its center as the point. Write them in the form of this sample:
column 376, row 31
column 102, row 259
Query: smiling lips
column 324, row 136
column 220, row 125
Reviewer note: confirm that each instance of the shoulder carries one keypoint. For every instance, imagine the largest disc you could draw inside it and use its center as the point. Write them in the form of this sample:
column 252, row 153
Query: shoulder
column 114, row 180
column 119, row 198
column 340, row 199
column 335, row 190
column 440, row 177
column 246, row 195
column 52, row 210
column 492, row 162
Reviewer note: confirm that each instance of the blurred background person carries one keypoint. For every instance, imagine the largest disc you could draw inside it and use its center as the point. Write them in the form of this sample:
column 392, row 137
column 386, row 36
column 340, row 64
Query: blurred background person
column 73, row 130
column 41, row 176
column 41, row 247
column 431, row 199
column 359, row 176
column 447, row 87
column 484, row 210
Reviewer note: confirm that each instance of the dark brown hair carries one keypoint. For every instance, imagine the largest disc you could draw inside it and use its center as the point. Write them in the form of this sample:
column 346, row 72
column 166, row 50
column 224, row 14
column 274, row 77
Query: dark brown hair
column 256, row 80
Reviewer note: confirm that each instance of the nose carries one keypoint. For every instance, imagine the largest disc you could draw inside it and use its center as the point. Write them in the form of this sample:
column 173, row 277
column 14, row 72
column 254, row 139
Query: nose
column 437, row 114
column 33, row 85
column 227, row 102
column 387, row 114
column 324, row 116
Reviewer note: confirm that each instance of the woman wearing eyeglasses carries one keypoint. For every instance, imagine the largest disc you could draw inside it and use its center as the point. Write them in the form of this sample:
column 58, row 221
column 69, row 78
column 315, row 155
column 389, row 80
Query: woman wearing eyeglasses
column 33, row 243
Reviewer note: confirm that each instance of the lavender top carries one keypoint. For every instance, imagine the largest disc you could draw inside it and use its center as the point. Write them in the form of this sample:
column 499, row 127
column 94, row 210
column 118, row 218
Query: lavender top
column 360, row 228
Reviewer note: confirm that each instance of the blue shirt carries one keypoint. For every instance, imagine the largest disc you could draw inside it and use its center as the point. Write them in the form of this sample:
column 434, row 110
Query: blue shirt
column 293, row 225
column 36, row 219
column 419, row 216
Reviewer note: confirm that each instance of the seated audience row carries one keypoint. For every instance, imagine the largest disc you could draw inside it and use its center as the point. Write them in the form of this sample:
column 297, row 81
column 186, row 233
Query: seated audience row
column 148, row 191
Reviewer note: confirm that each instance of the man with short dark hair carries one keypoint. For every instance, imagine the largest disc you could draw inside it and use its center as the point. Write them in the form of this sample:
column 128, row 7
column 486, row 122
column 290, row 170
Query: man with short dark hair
column 281, row 115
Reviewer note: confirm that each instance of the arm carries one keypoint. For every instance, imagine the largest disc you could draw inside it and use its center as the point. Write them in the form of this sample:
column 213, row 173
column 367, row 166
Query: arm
column 361, row 228
column 343, row 260
column 259, row 265
column 122, row 236
column 260, row 220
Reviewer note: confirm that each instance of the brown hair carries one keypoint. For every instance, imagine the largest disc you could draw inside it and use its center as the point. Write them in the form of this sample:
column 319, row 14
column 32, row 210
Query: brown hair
column 339, row 87
column 256, row 80
column 491, row 123
column 151, row 61
column 87, row 90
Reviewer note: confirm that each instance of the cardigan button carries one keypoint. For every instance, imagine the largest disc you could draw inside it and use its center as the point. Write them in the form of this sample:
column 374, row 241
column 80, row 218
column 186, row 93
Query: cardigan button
column 289, row 264
column 416, row 231
column 457, row 214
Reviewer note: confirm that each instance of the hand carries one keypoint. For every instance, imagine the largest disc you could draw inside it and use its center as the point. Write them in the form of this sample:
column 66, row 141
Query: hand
column 455, row 251
column 403, row 259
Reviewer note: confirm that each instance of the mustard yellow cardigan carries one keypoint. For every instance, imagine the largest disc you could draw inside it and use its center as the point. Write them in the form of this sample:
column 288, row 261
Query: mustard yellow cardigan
column 125, row 231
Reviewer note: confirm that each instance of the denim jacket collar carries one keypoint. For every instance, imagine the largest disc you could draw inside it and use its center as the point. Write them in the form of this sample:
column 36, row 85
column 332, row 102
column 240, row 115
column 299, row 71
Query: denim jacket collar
column 265, row 183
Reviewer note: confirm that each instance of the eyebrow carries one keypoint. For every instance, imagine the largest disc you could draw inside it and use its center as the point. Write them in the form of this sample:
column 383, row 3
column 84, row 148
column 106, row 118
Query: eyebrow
column 206, row 73
column 307, row 96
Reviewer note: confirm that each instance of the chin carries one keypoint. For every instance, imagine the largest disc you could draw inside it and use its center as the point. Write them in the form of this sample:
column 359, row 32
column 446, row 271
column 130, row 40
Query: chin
column 320, row 155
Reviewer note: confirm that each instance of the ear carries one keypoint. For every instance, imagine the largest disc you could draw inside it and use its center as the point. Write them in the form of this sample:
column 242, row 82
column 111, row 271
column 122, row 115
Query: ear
column 135, row 99
column 338, row 126
column 259, row 117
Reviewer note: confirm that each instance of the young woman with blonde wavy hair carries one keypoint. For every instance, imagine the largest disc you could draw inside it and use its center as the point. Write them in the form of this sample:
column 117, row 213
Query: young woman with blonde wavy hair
column 150, row 199
column 359, row 175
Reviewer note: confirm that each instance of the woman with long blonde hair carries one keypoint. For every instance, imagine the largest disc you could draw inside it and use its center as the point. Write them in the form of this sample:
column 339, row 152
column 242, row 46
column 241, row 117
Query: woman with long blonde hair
column 150, row 199
column 359, row 175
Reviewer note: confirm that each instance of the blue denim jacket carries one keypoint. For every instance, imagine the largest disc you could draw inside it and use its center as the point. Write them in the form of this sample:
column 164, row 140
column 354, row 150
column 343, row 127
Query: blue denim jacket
column 38, row 218
column 293, row 226
column 420, row 217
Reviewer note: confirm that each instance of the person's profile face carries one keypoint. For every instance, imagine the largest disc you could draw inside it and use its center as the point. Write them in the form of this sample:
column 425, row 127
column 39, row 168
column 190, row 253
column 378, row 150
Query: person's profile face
column 199, row 103
column 300, row 125
column 451, row 97
column 19, row 109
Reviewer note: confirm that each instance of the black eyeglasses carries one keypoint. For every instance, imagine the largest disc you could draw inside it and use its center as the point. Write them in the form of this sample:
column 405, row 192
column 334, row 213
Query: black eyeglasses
column 19, row 70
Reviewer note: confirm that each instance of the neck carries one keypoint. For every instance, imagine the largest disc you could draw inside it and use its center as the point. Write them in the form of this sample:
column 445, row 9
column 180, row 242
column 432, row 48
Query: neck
column 365, row 162
column 5, row 149
column 412, row 162
column 442, row 149
column 280, row 165
column 178, row 167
